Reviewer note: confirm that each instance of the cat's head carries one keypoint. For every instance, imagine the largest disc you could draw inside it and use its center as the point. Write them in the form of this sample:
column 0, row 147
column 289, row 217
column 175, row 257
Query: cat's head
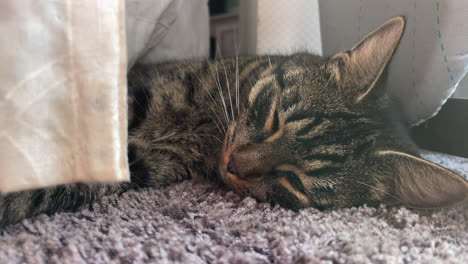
column 323, row 133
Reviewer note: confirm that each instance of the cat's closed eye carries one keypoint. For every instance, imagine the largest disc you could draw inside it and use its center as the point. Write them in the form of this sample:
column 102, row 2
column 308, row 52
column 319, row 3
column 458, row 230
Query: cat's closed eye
column 271, row 126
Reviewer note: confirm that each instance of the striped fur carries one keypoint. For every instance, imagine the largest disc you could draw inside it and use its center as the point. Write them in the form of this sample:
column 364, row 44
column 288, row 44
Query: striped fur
column 296, row 130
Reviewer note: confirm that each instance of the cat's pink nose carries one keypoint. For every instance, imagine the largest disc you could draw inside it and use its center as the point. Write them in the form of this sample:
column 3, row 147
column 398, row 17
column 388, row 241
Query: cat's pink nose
column 248, row 164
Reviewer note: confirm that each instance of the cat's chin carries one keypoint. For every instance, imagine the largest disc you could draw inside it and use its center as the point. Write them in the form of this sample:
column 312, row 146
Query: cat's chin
column 234, row 182
column 255, row 188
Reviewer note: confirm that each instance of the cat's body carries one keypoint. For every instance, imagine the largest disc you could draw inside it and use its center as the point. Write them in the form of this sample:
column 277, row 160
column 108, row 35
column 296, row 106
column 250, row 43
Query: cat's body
column 296, row 130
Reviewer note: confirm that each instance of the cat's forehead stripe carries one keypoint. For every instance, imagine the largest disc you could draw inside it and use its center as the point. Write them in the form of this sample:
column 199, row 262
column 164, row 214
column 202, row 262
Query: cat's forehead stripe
column 317, row 130
column 259, row 86
column 271, row 117
column 247, row 71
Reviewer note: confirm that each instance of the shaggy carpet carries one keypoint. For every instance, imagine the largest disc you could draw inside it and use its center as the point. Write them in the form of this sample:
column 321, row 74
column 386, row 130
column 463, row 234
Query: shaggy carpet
column 198, row 223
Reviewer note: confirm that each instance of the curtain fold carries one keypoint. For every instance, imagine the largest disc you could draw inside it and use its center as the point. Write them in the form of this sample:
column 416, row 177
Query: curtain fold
column 62, row 93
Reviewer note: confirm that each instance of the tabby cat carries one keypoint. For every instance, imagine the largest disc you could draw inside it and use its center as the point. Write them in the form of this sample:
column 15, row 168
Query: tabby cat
column 299, row 131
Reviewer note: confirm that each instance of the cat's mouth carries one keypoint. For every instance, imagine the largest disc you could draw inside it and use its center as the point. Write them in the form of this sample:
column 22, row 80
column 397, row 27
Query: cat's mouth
column 226, row 171
column 228, row 177
column 244, row 187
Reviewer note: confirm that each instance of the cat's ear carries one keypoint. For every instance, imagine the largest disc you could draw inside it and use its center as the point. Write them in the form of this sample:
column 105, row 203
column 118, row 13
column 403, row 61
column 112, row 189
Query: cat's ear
column 419, row 183
column 361, row 67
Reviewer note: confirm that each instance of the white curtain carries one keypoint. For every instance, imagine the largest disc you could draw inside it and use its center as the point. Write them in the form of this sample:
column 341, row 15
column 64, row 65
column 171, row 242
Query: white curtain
column 62, row 92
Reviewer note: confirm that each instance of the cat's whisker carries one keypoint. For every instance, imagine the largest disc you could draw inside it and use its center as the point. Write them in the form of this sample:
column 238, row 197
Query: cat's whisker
column 382, row 191
column 219, row 127
column 227, row 83
column 205, row 87
column 218, row 85
column 223, row 130
column 221, row 94
column 220, row 141
column 216, row 123
column 237, row 75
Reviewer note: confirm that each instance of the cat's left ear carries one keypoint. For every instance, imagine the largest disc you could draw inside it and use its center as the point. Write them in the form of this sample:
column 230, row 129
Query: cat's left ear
column 419, row 183
column 361, row 67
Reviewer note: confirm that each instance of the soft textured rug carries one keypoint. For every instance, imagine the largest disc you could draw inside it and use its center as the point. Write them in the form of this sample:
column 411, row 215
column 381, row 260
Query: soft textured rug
column 198, row 223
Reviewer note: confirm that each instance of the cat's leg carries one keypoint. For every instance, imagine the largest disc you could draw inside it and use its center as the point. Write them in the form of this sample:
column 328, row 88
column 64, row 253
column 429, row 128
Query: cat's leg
column 151, row 165
column 154, row 169
column 160, row 164
column 17, row 206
